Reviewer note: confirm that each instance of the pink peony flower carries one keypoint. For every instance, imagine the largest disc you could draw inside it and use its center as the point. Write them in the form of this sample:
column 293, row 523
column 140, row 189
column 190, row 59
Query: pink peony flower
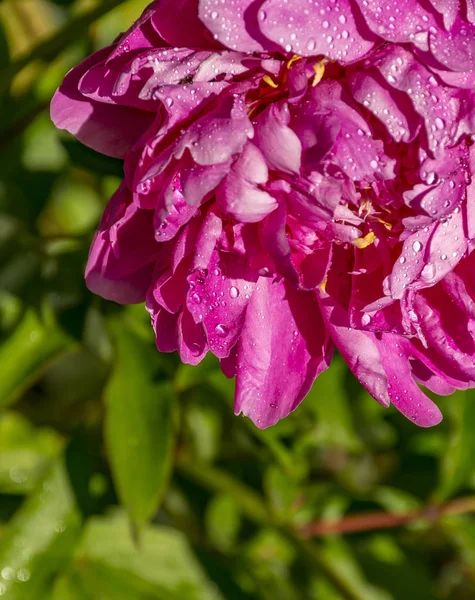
column 298, row 177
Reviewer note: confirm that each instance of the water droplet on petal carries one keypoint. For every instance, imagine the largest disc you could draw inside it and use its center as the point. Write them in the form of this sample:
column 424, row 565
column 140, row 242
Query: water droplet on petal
column 145, row 186
column 417, row 246
column 311, row 45
column 233, row 292
column 221, row 330
column 365, row 319
column 196, row 349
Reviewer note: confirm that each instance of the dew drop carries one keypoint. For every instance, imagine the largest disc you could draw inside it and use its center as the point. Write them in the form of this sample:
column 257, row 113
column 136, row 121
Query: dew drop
column 221, row 330
column 145, row 187
column 196, row 349
column 417, row 246
column 233, row 292
column 214, row 14
column 311, row 44
column 196, row 298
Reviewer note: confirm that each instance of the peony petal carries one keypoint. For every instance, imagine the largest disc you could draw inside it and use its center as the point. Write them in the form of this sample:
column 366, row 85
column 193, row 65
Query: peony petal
column 234, row 23
column 379, row 364
column 110, row 129
column 337, row 34
column 186, row 31
column 218, row 298
column 239, row 195
column 123, row 254
column 278, row 143
column 283, row 347
column 401, row 21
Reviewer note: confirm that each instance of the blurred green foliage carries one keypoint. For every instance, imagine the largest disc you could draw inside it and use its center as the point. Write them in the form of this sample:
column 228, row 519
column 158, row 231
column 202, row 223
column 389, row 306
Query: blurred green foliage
column 125, row 475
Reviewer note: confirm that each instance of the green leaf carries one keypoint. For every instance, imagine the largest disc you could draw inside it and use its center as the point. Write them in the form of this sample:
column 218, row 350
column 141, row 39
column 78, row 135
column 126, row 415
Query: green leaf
column 86, row 158
column 27, row 352
column 4, row 50
column 281, row 490
column 107, row 565
column 387, row 565
column 330, row 404
column 48, row 49
column 138, row 426
column 223, row 522
column 338, row 555
column 40, row 538
column 25, row 453
column 457, row 462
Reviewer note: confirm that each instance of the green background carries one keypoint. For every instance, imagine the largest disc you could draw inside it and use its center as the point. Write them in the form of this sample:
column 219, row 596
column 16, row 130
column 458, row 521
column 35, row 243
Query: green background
column 123, row 474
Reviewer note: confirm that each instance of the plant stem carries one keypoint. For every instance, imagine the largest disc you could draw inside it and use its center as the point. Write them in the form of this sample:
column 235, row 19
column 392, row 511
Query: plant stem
column 382, row 520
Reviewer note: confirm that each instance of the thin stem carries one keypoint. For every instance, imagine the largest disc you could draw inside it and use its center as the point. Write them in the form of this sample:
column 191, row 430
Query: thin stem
column 381, row 520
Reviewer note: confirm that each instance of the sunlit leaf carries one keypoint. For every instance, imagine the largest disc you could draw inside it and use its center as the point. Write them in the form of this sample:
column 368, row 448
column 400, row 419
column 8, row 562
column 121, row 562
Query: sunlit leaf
column 109, row 566
column 331, row 406
column 40, row 538
column 138, row 426
column 25, row 453
column 458, row 460
column 25, row 354
column 223, row 521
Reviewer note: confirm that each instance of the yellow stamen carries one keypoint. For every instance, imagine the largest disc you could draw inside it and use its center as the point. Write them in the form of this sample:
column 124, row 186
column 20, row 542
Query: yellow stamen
column 268, row 79
column 365, row 207
column 319, row 69
column 294, row 58
column 387, row 225
column 323, row 286
column 364, row 242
